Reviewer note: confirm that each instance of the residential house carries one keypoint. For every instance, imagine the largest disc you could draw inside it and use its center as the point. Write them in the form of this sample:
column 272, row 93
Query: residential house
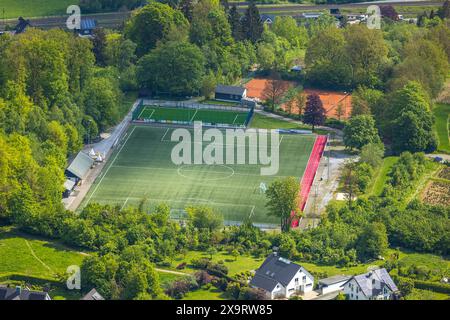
column 267, row 19
column 93, row 295
column 373, row 285
column 17, row 293
column 332, row 284
column 281, row 278
column 230, row 93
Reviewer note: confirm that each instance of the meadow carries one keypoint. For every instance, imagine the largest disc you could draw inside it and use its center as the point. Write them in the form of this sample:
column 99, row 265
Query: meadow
column 442, row 115
column 34, row 8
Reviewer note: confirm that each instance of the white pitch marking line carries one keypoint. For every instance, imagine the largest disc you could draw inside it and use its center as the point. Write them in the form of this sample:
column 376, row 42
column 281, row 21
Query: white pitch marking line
column 142, row 111
column 196, row 110
column 112, row 162
column 162, row 139
column 124, row 204
column 151, row 114
column 251, row 212
column 235, row 119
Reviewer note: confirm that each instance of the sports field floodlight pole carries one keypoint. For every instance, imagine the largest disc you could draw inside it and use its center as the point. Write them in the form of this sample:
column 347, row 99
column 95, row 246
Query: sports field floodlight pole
column 89, row 132
column 328, row 154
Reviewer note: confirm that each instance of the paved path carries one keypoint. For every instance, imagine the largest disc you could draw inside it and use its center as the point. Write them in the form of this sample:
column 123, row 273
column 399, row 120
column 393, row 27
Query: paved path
column 173, row 272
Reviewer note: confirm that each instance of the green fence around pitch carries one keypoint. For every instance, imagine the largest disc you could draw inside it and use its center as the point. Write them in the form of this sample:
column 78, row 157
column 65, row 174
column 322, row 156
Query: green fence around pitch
column 187, row 116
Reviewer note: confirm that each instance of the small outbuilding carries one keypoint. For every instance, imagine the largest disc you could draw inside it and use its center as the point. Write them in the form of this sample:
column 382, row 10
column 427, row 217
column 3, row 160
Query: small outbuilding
column 230, row 93
column 87, row 27
column 332, row 284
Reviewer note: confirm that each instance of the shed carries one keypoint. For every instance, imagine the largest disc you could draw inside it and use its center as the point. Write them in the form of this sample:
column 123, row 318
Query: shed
column 68, row 187
column 79, row 167
column 87, row 26
column 230, row 93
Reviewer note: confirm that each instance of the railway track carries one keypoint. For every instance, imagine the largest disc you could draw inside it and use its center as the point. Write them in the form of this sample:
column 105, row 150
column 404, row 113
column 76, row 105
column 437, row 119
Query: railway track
column 116, row 19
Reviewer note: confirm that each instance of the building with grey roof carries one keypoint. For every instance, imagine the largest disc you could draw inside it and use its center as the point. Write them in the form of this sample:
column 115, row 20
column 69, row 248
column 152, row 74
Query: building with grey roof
column 79, row 167
column 374, row 285
column 93, row 295
column 230, row 93
column 332, row 284
column 17, row 293
column 282, row 278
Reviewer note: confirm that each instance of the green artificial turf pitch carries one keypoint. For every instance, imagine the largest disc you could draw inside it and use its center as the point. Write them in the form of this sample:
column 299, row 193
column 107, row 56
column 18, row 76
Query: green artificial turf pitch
column 188, row 115
column 141, row 167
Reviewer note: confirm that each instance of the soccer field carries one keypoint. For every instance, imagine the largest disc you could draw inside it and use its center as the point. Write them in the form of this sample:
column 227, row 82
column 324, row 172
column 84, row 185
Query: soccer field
column 141, row 167
column 165, row 114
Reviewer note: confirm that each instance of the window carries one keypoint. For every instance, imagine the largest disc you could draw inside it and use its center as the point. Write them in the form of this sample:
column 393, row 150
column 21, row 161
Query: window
column 296, row 280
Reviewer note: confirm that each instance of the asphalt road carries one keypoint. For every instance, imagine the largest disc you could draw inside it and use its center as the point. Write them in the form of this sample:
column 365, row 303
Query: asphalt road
column 116, row 19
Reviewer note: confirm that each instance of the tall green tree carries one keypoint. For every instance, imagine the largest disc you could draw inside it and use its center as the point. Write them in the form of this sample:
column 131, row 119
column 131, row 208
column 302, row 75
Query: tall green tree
column 234, row 18
column 359, row 131
column 174, row 67
column 409, row 122
column 283, row 201
column 152, row 23
column 252, row 25
column 373, row 242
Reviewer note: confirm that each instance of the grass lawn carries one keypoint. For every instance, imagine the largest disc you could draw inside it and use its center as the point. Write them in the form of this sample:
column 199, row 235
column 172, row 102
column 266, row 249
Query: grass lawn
column 31, row 256
column 205, row 294
column 418, row 294
column 441, row 112
column 34, row 8
column 166, row 278
column 264, row 122
column 142, row 168
column 381, row 176
column 235, row 266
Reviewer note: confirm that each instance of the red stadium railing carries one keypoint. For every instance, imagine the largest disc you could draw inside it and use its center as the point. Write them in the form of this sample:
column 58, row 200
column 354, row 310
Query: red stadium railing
column 310, row 173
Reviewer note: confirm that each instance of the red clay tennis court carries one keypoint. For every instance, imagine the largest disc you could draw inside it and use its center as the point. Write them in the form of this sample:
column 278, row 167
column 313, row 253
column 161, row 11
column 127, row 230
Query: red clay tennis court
column 330, row 99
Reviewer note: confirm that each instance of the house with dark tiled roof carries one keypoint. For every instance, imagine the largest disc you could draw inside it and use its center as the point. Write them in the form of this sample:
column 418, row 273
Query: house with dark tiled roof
column 373, row 285
column 17, row 293
column 281, row 278
column 93, row 295
column 268, row 19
